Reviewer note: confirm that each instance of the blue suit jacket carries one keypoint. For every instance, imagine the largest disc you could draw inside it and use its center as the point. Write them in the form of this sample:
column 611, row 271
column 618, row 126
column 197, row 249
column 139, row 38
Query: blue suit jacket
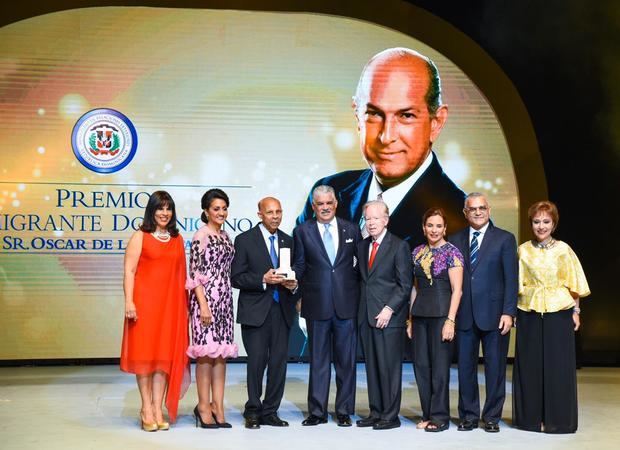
column 433, row 188
column 489, row 287
column 327, row 290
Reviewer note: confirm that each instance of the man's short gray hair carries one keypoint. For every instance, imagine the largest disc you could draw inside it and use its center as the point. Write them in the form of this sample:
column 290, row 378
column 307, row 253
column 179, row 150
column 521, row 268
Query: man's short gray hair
column 475, row 195
column 322, row 189
column 377, row 202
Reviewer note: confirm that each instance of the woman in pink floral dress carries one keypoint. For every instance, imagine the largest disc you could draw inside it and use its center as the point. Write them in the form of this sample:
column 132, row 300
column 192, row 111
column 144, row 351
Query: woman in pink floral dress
column 211, row 309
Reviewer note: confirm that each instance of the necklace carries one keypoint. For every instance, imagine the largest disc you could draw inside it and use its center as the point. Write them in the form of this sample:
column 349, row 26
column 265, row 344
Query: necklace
column 545, row 245
column 163, row 236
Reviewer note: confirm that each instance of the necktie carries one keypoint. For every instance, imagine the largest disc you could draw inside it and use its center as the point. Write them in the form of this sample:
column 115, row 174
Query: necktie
column 373, row 253
column 473, row 248
column 274, row 262
column 328, row 242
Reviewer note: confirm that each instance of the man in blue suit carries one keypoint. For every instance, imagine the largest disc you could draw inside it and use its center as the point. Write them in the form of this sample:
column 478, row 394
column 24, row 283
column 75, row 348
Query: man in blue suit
column 326, row 267
column 488, row 305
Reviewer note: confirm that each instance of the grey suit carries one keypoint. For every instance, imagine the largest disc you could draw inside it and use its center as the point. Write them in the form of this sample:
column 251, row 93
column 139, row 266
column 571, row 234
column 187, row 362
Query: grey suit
column 387, row 283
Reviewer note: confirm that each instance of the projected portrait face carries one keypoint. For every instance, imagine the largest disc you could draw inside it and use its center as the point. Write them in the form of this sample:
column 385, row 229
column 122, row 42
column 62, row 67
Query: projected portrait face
column 395, row 125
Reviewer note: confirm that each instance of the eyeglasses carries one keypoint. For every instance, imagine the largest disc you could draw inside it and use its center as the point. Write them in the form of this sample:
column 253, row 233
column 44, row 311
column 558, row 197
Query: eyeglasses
column 473, row 209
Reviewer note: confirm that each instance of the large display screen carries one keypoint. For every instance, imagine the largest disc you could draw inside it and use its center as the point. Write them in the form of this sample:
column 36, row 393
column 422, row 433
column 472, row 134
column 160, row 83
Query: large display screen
column 256, row 103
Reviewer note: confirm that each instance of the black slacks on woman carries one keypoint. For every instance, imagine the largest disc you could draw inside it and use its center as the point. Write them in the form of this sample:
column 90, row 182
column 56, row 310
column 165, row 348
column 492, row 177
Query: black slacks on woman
column 545, row 380
column 431, row 365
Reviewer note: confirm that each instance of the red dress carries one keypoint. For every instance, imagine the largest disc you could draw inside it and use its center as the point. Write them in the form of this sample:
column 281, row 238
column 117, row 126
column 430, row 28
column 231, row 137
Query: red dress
column 157, row 341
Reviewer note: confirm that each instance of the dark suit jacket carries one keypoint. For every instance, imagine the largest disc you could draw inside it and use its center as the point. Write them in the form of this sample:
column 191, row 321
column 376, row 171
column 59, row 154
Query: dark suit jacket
column 325, row 289
column 433, row 188
column 490, row 286
column 388, row 282
column 250, row 263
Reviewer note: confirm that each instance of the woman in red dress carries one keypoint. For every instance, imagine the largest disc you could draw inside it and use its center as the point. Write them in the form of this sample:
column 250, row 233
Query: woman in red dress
column 156, row 334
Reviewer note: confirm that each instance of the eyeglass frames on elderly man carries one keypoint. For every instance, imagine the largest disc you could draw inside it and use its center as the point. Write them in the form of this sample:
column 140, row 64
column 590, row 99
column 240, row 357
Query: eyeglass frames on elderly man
column 473, row 209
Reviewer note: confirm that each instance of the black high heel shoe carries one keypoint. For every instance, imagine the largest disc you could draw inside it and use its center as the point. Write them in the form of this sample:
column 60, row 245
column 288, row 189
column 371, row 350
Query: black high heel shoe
column 203, row 424
column 221, row 424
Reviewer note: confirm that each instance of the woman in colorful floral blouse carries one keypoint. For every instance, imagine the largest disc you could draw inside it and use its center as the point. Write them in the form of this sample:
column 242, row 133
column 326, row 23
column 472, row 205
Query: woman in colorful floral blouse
column 551, row 281
column 438, row 270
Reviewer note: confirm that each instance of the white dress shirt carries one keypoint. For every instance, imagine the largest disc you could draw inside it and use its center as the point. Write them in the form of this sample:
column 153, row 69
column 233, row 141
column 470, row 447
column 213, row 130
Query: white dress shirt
column 394, row 195
column 482, row 231
column 378, row 241
column 266, row 236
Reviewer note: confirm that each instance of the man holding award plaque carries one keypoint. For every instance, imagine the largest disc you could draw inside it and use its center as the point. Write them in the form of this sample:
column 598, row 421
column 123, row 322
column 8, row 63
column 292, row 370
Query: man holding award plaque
column 266, row 309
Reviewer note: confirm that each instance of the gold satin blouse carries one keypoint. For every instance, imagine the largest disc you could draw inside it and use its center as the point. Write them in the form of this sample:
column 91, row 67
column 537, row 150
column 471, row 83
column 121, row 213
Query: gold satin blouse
column 546, row 275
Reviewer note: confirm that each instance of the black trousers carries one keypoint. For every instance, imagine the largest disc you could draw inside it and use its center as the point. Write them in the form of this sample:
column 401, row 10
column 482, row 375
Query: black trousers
column 431, row 365
column 383, row 352
column 326, row 337
column 544, row 380
column 267, row 347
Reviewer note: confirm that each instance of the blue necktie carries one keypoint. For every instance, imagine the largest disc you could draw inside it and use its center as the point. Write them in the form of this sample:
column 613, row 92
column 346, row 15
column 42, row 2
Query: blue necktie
column 473, row 248
column 274, row 263
column 328, row 242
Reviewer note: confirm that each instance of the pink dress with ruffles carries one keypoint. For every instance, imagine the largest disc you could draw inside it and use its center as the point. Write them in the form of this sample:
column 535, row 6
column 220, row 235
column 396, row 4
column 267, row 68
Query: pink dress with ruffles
column 209, row 266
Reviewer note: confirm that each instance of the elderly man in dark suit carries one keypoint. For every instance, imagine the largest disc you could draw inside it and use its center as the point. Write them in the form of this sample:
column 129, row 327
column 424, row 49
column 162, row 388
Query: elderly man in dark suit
column 387, row 278
column 399, row 114
column 325, row 264
column 265, row 310
column 488, row 305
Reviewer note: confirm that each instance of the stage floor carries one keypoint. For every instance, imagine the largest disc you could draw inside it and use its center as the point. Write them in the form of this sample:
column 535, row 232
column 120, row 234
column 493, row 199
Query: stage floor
column 96, row 407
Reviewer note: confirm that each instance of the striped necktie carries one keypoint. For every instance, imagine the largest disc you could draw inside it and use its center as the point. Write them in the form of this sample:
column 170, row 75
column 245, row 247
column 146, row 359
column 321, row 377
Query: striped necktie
column 473, row 248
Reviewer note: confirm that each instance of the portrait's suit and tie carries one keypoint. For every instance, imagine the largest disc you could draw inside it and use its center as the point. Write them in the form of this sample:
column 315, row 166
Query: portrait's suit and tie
column 433, row 188
column 489, row 299
column 265, row 312
column 386, row 281
column 329, row 286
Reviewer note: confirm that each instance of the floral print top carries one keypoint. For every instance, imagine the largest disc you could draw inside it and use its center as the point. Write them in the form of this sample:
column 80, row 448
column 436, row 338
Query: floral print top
column 435, row 261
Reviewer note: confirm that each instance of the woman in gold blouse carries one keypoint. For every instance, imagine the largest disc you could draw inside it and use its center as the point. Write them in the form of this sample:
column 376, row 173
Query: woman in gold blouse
column 551, row 281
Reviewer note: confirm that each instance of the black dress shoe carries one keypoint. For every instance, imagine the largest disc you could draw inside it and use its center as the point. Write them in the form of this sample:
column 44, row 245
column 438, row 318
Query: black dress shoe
column 386, row 424
column 491, row 427
column 252, row 423
column 467, row 425
column 343, row 420
column 273, row 420
column 367, row 422
column 313, row 420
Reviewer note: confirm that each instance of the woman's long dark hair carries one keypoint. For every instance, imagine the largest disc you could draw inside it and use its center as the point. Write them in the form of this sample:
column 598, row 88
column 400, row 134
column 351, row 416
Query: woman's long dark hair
column 208, row 198
column 158, row 200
